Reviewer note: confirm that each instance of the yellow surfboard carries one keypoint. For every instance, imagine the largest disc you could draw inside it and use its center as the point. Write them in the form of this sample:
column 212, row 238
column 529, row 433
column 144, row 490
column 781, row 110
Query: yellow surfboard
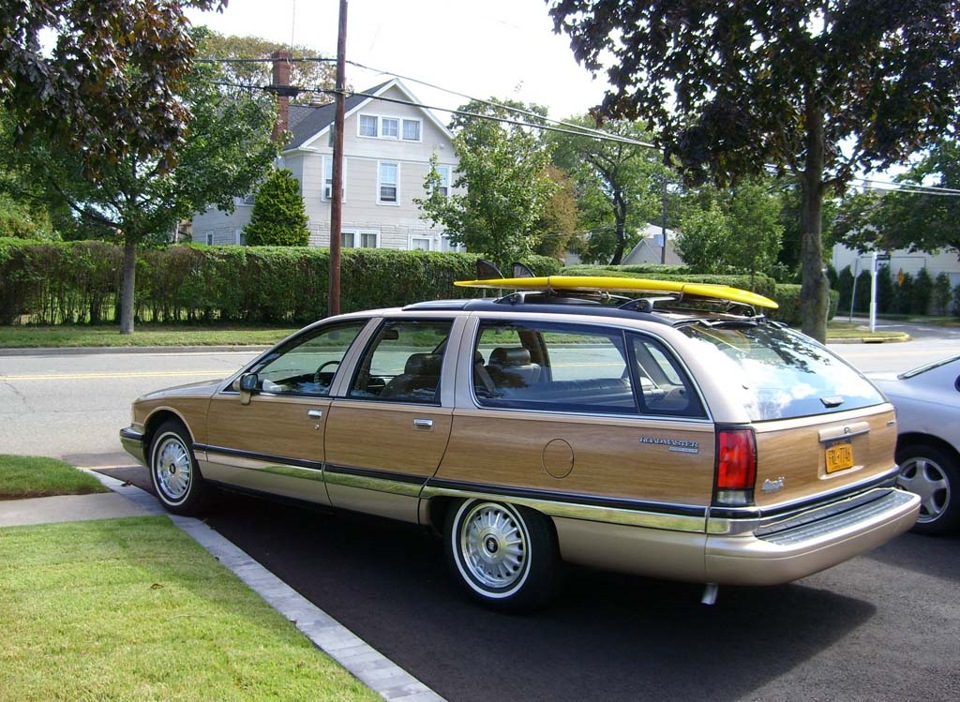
column 623, row 285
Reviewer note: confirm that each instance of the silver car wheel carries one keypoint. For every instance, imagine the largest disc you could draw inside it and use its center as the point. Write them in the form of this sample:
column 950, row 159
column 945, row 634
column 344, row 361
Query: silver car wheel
column 926, row 478
column 493, row 544
column 173, row 468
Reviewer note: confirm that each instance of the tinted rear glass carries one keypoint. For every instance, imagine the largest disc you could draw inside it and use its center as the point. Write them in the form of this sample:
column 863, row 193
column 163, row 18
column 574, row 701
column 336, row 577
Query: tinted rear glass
column 780, row 373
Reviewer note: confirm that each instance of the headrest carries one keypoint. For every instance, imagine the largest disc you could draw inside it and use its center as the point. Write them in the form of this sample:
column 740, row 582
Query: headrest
column 510, row 356
column 422, row 364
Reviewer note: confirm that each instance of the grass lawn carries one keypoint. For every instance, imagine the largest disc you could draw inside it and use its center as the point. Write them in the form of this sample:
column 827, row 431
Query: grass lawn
column 144, row 335
column 33, row 476
column 134, row 609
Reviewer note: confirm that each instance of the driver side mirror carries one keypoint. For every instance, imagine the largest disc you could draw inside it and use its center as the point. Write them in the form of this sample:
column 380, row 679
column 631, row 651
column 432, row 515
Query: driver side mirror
column 248, row 384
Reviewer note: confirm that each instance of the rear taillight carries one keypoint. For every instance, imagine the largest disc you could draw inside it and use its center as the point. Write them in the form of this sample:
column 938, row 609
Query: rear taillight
column 736, row 469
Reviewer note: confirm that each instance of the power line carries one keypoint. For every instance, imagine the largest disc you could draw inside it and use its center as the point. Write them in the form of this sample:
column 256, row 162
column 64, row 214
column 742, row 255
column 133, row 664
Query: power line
column 560, row 127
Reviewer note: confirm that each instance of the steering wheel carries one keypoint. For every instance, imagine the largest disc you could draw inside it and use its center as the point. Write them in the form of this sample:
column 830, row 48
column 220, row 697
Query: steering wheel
column 317, row 377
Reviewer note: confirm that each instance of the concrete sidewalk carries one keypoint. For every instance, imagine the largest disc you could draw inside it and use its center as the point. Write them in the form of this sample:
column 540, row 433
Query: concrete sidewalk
column 380, row 674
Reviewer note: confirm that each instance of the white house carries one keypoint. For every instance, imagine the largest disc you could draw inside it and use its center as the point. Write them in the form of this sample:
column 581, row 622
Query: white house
column 388, row 141
column 901, row 260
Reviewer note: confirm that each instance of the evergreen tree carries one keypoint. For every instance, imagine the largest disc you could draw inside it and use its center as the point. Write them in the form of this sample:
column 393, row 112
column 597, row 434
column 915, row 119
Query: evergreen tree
column 278, row 217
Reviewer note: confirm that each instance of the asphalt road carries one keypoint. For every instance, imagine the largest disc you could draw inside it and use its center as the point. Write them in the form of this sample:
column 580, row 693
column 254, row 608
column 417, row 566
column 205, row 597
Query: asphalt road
column 884, row 626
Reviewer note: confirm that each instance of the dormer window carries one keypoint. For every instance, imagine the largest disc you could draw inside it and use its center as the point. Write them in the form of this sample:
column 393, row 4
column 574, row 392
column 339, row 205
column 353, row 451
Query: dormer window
column 381, row 127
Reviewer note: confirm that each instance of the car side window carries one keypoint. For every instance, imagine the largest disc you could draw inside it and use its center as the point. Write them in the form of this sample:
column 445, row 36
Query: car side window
column 552, row 367
column 403, row 362
column 308, row 364
column 664, row 387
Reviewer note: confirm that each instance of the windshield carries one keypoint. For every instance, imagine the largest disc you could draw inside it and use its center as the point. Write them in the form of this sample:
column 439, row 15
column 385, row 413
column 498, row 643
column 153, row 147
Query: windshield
column 780, row 373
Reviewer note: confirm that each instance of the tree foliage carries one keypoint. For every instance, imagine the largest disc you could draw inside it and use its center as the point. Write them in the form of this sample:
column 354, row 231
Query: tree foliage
column 736, row 230
column 310, row 70
column 502, row 179
column 732, row 87
column 558, row 223
column 910, row 220
column 105, row 85
column 226, row 150
column 618, row 183
column 278, row 217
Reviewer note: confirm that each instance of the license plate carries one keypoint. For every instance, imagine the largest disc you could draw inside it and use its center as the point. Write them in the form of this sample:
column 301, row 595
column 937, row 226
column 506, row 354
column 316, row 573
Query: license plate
column 839, row 456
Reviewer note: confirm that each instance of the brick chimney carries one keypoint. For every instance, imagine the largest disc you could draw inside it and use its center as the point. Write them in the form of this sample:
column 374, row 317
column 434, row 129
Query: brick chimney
column 281, row 80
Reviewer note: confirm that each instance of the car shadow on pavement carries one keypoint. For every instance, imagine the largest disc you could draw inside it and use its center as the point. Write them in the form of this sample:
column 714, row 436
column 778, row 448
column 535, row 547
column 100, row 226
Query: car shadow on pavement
column 608, row 636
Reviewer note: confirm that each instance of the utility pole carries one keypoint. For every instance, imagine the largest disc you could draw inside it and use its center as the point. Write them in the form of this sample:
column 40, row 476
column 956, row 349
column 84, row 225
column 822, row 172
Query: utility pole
column 336, row 197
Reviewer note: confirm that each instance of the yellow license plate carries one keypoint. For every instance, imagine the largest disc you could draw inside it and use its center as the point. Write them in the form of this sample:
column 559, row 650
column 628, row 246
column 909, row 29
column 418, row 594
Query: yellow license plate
column 839, row 457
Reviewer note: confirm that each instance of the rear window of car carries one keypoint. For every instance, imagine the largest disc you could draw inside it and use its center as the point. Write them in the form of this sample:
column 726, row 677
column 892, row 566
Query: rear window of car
column 779, row 373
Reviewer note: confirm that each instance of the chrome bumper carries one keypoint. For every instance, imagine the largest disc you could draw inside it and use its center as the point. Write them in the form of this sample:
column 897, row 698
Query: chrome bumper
column 792, row 553
column 132, row 441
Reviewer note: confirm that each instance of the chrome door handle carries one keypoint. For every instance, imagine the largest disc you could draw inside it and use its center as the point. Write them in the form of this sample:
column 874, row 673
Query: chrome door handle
column 315, row 414
column 424, row 424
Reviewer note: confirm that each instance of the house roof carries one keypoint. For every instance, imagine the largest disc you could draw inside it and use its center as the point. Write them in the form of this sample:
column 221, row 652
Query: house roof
column 650, row 250
column 307, row 122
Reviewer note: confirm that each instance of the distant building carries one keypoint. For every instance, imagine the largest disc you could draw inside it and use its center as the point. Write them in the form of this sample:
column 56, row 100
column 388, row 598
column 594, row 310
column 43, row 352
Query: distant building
column 649, row 250
column 901, row 260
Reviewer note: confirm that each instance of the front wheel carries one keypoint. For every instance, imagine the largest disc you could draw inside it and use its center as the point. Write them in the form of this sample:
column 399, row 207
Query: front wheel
column 934, row 475
column 173, row 470
column 502, row 555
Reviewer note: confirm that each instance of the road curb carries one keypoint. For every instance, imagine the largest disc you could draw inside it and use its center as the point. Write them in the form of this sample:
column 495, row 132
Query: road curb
column 364, row 662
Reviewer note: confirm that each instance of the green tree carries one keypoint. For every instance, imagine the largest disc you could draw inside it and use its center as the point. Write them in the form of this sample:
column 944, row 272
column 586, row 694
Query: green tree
column 309, row 70
column 503, row 179
column 734, row 87
column 558, row 223
column 703, row 236
column 135, row 200
column 98, row 80
column 733, row 230
column 618, row 183
column 922, row 222
column 941, row 294
column 278, row 217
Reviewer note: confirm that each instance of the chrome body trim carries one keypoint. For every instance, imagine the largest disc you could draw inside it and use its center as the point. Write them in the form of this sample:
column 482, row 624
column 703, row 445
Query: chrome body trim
column 680, row 518
column 131, row 438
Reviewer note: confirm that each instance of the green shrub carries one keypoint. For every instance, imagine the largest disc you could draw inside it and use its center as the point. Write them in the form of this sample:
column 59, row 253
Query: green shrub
column 787, row 296
column 278, row 217
column 78, row 282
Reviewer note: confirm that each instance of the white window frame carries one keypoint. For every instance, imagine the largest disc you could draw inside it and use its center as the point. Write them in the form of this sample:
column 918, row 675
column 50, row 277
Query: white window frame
column 376, row 126
column 403, row 129
column 395, row 123
column 426, row 238
column 380, row 183
column 359, row 238
column 326, row 189
column 446, row 178
column 448, row 246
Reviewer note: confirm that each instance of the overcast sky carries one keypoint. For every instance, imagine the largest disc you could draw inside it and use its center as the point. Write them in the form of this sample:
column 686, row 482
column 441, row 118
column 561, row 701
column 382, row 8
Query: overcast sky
column 481, row 48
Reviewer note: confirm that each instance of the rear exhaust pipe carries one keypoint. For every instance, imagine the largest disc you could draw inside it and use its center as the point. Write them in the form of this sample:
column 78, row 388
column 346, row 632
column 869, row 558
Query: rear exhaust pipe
column 710, row 591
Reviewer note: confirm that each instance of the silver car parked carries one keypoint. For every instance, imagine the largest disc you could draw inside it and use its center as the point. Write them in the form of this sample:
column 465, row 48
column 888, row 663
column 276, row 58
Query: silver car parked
column 927, row 400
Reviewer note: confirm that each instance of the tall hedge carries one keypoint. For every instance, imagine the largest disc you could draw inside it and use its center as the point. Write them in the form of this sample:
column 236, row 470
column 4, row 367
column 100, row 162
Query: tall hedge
column 79, row 282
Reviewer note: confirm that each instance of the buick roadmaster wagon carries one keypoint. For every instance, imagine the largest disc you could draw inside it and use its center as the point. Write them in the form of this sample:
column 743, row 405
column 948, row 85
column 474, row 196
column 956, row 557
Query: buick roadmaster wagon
column 644, row 434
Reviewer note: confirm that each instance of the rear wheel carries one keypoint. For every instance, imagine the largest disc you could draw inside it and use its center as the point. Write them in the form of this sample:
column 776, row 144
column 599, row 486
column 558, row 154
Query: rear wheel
column 934, row 475
column 503, row 555
column 173, row 470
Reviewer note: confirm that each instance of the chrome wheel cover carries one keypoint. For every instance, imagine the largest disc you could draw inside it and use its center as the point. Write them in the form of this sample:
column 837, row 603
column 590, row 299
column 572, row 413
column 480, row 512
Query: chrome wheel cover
column 172, row 468
column 493, row 547
column 927, row 479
